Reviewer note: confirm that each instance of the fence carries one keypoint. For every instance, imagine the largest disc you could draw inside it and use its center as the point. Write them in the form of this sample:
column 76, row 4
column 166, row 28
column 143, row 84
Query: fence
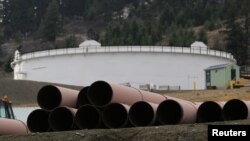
column 124, row 49
column 147, row 87
column 169, row 88
column 245, row 71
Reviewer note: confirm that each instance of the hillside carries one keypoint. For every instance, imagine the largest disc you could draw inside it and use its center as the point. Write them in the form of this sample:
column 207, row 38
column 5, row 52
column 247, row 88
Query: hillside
column 38, row 25
column 33, row 25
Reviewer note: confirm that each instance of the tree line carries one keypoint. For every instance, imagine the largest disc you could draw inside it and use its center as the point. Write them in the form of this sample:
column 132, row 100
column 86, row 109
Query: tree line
column 167, row 22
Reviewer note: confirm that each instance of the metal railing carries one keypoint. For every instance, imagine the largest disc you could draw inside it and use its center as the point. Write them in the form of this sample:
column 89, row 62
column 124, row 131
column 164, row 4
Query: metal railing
column 127, row 49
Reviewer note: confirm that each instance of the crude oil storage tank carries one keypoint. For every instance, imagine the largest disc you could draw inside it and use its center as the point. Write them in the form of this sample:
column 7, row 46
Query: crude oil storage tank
column 159, row 65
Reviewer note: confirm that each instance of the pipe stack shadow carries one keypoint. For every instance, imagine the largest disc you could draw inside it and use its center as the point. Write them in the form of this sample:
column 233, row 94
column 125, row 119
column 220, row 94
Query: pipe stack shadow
column 108, row 105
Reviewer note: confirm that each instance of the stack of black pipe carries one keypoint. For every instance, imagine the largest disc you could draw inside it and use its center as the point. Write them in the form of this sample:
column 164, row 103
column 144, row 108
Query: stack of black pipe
column 107, row 105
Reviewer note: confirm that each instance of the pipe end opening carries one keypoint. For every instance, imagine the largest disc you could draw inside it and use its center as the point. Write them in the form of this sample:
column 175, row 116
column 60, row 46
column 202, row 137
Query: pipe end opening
column 141, row 114
column 169, row 112
column 100, row 93
column 235, row 109
column 115, row 115
column 37, row 121
column 209, row 111
column 82, row 98
column 61, row 119
column 49, row 97
column 87, row 117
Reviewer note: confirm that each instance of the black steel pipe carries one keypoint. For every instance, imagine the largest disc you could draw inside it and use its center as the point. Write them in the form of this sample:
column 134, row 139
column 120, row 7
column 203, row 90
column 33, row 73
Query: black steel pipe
column 236, row 109
column 37, row 121
column 88, row 117
column 102, row 93
column 210, row 111
column 143, row 113
column 82, row 98
column 50, row 97
column 62, row 119
column 115, row 115
column 173, row 111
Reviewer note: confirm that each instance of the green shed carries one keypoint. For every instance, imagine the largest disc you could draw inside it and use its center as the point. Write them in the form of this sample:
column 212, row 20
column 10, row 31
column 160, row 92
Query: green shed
column 219, row 76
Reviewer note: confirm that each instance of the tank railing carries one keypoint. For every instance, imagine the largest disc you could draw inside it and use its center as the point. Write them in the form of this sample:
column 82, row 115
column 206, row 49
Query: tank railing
column 121, row 49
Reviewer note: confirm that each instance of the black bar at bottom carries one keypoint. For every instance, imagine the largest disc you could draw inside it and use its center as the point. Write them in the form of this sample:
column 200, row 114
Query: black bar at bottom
column 235, row 132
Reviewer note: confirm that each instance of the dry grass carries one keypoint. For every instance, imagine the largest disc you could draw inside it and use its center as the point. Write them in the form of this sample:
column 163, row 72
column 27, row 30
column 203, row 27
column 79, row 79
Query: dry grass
column 23, row 93
column 213, row 95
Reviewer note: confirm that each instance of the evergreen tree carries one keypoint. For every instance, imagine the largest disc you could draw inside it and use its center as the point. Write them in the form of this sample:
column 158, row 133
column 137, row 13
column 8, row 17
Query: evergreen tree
column 6, row 64
column 51, row 25
column 202, row 35
column 40, row 7
column 246, row 17
column 70, row 41
column 217, row 44
column 92, row 34
column 167, row 17
column 134, row 32
column 18, row 16
column 235, row 33
column 182, row 37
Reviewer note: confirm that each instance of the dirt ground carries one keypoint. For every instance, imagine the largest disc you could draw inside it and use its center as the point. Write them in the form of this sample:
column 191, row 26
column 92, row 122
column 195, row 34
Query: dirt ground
column 184, row 132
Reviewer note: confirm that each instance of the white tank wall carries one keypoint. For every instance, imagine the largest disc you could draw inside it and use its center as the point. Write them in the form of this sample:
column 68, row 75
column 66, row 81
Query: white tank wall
column 83, row 67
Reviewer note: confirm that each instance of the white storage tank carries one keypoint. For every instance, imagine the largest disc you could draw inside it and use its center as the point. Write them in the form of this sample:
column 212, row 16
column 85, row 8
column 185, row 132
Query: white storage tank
column 136, row 65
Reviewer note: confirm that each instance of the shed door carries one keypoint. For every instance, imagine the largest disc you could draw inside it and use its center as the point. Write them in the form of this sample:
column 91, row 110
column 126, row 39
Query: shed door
column 208, row 78
column 233, row 74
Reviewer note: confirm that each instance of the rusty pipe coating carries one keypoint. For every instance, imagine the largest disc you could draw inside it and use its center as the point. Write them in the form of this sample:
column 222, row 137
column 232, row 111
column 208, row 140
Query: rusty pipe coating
column 174, row 111
column 236, row 109
column 123, row 106
column 102, row 93
column 152, row 97
column 210, row 111
column 115, row 115
column 62, row 119
column 50, row 97
column 37, row 121
column 82, row 98
column 12, row 127
column 143, row 113
column 88, row 117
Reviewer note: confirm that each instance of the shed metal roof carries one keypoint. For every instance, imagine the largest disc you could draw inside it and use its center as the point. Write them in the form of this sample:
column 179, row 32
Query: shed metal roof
column 217, row 67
